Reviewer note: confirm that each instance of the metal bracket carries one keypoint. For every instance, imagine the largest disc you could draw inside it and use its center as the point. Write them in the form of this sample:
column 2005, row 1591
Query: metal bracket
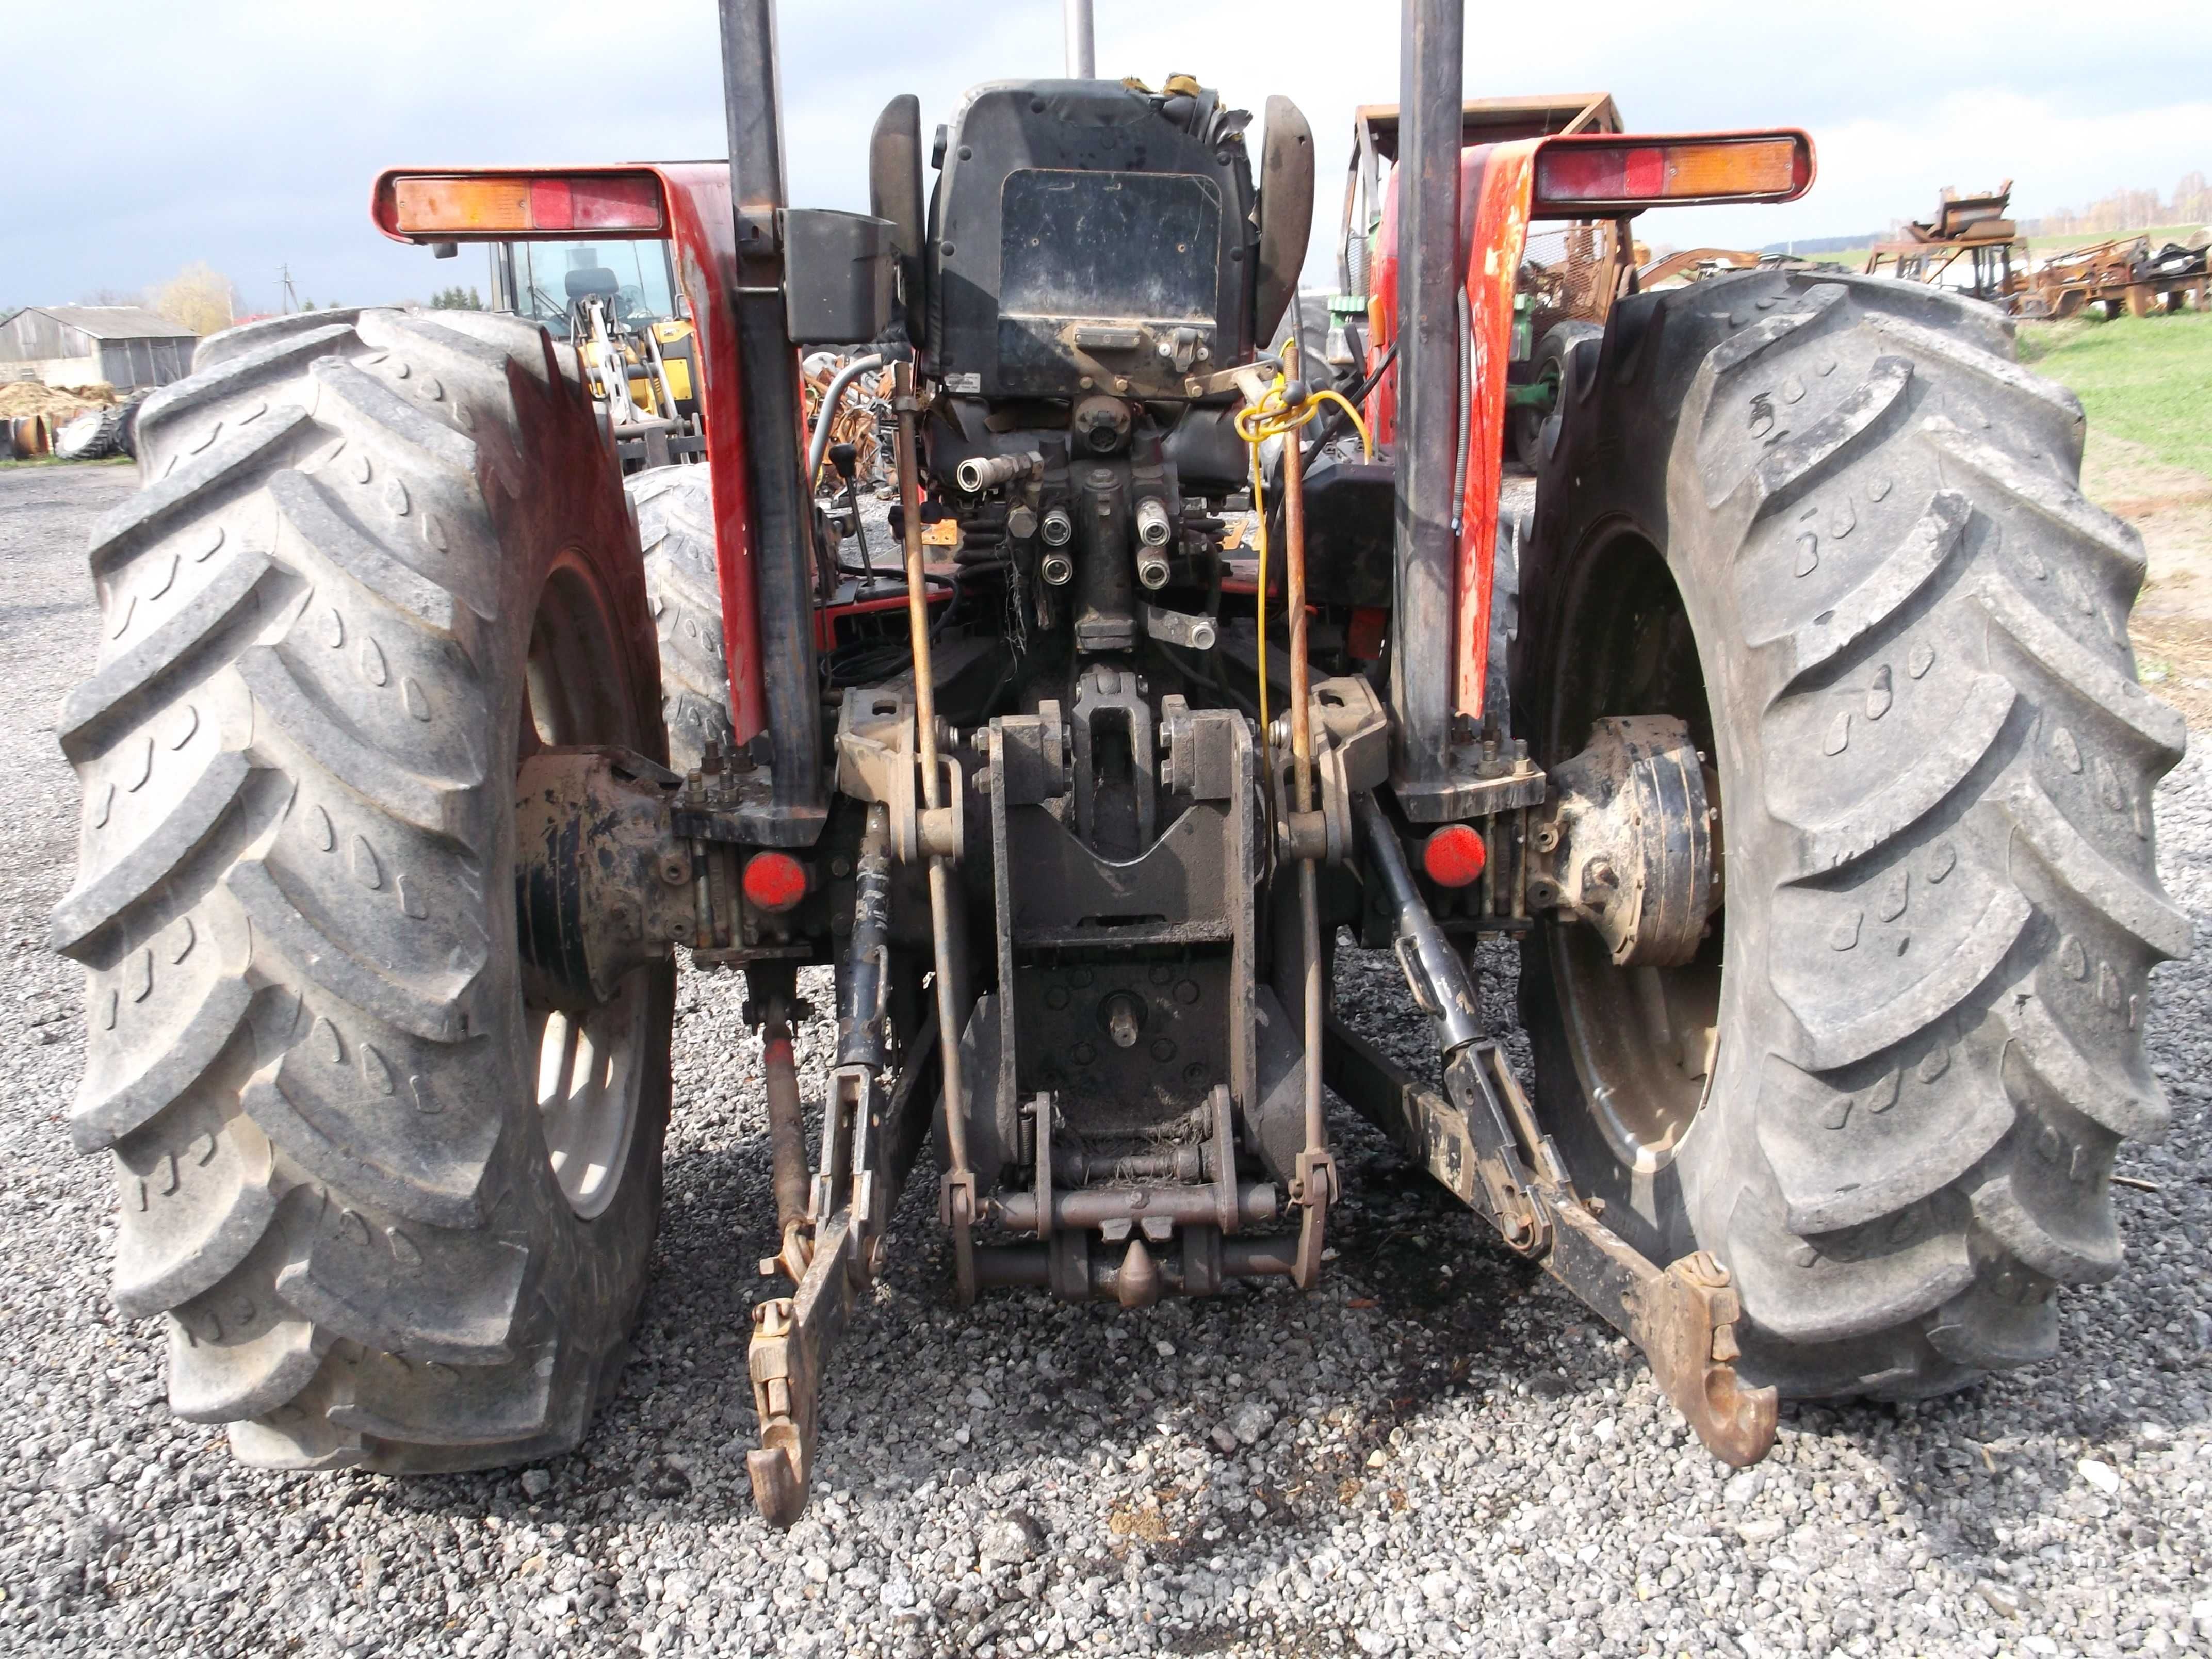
column 956, row 1213
column 1682, row 1316
column 791, row 1337
column 877, row 760
column 1314, row 1188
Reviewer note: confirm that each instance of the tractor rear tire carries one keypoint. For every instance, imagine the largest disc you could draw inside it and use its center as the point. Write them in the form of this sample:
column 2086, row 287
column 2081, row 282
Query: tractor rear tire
column 1526, row 426
column 375, row 555
column 675, row 508
column 1828, row 522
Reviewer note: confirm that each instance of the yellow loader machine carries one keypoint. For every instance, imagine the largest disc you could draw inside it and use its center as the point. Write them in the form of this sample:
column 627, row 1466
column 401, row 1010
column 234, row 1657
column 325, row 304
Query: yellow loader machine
column 1798, row 743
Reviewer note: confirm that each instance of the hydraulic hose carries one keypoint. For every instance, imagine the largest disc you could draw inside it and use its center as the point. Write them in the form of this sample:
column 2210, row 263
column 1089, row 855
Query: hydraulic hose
column 818, row 445
column 1466, row 417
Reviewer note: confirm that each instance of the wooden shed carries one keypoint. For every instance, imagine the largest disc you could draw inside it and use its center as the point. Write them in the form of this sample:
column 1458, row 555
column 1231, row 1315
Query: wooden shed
column 127, row 346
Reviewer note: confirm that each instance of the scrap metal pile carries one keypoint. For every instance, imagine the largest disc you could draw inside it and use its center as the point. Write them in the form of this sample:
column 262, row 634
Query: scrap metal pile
column 863, row 408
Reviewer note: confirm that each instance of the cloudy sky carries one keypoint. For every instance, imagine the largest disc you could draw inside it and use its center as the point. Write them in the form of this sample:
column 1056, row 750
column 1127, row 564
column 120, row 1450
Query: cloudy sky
column 245, row 132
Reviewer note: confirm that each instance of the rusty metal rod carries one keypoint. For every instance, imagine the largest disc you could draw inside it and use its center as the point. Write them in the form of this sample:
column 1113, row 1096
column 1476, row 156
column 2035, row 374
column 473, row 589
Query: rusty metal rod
column 787, row 1124
column 1294, row 583
column 1091, row 1206
column 942, row 899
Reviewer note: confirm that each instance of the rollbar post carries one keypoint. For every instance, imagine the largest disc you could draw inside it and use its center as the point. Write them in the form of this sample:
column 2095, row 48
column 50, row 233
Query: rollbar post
column 1428, row 388
column 779, row 527
column 1082, row 56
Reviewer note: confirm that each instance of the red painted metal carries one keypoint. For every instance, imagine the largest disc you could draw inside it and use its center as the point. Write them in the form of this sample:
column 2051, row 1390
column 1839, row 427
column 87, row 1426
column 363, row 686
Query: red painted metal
column 1498, row 178
column 1497, row 200
column 704, row 234
column 1494, row 193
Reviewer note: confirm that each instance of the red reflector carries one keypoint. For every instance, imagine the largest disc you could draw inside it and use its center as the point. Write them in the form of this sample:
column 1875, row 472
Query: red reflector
column 1369, row 623
column 605, row 202
column 775, row 881
column 1644, row 172
column 1454, row 856
column 552, row 204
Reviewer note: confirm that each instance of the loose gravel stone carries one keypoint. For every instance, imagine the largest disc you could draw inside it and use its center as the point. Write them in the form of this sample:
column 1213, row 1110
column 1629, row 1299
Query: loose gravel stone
column 1459, row 1458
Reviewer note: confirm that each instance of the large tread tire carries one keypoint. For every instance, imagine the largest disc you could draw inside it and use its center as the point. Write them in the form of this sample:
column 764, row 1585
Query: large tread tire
column 1528, row 427
column 675, row 509
column 1937, row 766
column 93, row 435
column 308, row 1053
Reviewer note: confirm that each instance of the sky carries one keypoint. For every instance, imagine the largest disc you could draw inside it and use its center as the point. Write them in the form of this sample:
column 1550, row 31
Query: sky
column 245, row 132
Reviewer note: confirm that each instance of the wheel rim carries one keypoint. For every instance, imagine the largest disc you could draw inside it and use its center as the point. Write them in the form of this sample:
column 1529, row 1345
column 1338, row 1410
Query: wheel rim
column 588, row 1071
column 1645, row 1040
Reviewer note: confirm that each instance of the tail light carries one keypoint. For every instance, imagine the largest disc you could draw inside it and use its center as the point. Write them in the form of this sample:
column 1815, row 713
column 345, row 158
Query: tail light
column 448, row 206
column 1454, row 855
column 773, row 882
column 1578, row 176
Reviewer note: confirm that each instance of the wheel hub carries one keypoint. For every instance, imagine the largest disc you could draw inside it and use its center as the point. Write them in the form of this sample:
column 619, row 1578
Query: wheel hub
column 1628, row 845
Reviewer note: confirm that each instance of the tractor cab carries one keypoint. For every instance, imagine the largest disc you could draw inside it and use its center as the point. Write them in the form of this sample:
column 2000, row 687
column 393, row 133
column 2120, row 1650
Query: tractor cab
column 619, row 303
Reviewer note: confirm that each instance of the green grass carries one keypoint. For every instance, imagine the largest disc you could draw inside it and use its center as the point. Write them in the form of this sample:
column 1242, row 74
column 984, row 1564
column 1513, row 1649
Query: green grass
column 56, row 460
column 2147, row 379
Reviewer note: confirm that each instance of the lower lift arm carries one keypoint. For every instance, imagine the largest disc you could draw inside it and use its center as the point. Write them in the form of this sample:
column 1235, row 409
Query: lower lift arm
column 1479, row 1137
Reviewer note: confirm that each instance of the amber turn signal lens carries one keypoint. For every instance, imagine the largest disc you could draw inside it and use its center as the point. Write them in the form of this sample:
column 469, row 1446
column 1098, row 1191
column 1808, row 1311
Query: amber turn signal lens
column 1626, row 173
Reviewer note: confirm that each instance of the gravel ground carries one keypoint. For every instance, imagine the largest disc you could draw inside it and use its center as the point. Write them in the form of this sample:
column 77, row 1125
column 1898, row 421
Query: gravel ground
column 1436, row 1453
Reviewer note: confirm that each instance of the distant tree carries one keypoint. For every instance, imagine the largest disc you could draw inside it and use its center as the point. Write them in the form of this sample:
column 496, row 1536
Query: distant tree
column 457, row 299
column 2193, row 200
column 198, row 297
column 112, row 297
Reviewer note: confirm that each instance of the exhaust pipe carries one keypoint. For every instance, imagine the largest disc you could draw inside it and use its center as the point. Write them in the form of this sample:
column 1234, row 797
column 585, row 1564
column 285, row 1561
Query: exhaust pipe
column 1081, row 60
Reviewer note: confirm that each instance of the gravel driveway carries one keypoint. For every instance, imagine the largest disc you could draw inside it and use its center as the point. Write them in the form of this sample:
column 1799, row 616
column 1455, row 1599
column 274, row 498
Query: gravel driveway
column 1420, row 1458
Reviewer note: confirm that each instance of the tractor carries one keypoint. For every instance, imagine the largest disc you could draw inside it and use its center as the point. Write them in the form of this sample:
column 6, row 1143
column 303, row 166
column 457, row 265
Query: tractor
column 1794, row 736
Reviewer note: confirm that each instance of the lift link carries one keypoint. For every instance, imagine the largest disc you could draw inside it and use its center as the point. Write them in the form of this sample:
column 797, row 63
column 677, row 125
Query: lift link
column 957, row 1205
column 869, row 1138
column 1313, row 1183
column 1481, row 1140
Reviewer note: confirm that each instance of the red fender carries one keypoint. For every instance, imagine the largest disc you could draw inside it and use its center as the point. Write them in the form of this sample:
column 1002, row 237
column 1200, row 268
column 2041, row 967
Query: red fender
column 696, row 203
column 1497, row 197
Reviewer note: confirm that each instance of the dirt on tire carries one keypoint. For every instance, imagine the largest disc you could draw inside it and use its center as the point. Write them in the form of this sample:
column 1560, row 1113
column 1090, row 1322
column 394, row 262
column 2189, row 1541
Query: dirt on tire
column 308, row 1053
column 675, row 509
column 1937, row 768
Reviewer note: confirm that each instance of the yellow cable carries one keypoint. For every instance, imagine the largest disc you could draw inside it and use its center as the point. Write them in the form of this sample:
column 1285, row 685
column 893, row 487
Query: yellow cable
column 1273, row 416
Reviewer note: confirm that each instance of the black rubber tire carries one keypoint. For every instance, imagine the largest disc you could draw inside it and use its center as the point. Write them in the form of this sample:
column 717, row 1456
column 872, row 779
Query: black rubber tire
column 308, row 1052
column 127, row 430
column 675, row 509
column 1935, row 767
column 1527, row 426
column 92, row 436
